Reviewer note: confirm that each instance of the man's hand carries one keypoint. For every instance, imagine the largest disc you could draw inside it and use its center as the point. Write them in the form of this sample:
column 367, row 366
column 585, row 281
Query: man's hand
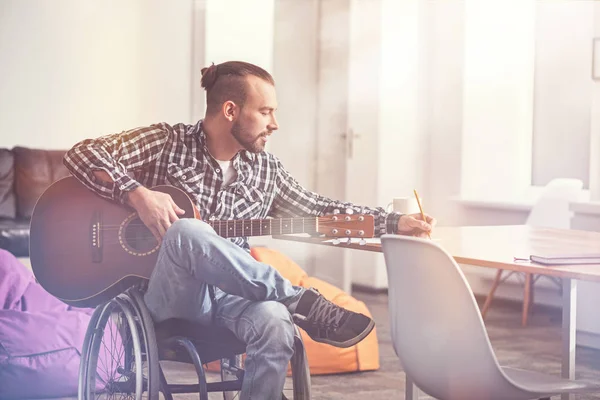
column 413, row 225
column 156, row 210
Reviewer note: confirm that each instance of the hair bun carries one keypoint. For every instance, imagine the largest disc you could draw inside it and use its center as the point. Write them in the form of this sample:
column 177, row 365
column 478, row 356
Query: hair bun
column 209, row 76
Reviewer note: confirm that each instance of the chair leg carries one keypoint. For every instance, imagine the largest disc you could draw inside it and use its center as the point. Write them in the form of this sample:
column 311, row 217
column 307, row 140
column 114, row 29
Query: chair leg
column 532, row 294
column 527, row 298
column 490, row 296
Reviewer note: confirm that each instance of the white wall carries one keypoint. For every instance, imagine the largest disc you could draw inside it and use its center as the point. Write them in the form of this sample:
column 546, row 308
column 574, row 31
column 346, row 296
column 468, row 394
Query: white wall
column 388, row 114
column 482, row 115
column 595, row 119
column 73, row 69
column 295, row 64
column 450, row 107
column 240, row 30
column 295, row 70
column 444, row 108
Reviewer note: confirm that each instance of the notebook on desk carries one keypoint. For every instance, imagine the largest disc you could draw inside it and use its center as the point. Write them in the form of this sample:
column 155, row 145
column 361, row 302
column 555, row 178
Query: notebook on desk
column 561, row 259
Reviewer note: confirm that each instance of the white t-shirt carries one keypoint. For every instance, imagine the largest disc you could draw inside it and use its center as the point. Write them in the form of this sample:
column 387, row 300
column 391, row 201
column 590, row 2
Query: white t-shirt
column 228, row 172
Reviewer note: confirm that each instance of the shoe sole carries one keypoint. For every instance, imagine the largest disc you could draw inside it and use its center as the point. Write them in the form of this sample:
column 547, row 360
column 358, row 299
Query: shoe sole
column 349, row 342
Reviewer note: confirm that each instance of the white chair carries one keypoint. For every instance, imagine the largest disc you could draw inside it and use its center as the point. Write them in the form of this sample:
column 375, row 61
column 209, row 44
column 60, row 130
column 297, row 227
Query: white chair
column 439, row 335
column 550, row 211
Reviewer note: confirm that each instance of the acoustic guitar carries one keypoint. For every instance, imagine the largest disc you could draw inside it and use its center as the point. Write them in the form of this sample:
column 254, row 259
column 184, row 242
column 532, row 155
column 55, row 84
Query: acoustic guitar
column 85, row 249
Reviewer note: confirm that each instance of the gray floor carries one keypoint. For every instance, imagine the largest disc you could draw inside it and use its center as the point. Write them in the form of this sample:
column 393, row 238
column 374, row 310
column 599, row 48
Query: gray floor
column 535, row 347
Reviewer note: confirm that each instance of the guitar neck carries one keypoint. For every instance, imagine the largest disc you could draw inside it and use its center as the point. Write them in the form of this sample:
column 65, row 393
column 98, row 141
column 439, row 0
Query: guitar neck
column 264, row 227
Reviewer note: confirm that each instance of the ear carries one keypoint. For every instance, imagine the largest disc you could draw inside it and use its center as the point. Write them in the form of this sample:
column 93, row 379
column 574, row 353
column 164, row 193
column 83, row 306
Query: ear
column 230, row 110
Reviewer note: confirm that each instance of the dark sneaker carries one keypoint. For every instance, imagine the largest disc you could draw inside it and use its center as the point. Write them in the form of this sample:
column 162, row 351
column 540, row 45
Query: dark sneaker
column 328, row 323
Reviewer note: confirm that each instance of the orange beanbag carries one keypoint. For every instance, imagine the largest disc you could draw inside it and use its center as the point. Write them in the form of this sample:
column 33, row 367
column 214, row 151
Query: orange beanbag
column 323, row 358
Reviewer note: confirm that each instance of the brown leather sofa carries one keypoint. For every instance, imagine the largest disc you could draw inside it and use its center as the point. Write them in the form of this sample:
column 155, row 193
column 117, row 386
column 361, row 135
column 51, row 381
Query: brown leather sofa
column 24, row 175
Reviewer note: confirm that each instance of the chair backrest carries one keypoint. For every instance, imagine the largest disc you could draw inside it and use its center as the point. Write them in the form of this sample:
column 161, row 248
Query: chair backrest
column 437, row 329
column 552, row 208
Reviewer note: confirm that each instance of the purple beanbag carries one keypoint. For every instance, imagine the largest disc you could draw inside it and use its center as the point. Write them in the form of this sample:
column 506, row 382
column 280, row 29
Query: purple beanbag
column 40, row 336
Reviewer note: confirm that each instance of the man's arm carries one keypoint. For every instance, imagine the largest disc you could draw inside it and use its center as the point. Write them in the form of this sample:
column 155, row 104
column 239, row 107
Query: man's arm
column 101, row 164
column 294, row 200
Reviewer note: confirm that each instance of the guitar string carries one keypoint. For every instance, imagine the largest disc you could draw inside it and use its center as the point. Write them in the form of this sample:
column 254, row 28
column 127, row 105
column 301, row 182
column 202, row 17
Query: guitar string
column 248, row 222
column 219, row 227
column 245, row 223
column 223, row 226
column 309, row 225
column 152, row 245
column 147, row 234
column 144, row 238
column 298, row 220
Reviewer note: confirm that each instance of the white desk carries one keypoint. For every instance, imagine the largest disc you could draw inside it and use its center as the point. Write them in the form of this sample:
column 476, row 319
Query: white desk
column 496, row 247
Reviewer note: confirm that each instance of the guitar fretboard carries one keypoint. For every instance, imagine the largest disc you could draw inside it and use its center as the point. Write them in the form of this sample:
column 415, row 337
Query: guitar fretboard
column 264, row 227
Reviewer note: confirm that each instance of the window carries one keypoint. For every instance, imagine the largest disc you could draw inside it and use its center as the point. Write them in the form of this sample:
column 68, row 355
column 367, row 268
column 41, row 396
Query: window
column 528, row 96
column 562, row 91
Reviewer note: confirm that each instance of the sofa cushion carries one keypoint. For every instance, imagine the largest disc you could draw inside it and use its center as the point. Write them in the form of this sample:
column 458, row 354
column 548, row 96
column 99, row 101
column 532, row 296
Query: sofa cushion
column 35, row 170
column 14, row 236
column 7, row 195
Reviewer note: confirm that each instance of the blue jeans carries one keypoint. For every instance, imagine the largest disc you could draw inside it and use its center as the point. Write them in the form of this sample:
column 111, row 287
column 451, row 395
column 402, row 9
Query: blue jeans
column 252, row 299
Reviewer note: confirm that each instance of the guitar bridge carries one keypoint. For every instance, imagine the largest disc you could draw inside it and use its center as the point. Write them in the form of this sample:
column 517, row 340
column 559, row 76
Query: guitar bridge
column 96, row 237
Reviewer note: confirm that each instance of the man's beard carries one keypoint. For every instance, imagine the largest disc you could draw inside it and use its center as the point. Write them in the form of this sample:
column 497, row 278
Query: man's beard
column 253, row 145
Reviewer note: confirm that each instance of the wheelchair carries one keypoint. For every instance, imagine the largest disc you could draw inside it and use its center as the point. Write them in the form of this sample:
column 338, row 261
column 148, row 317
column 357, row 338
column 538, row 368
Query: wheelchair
column 123, row 350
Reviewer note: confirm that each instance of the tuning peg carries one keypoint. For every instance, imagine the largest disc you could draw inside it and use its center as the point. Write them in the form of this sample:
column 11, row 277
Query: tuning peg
column 336, row 211
column 349, row 211
column 335, row 242
column 349, row 241
column 362, row 242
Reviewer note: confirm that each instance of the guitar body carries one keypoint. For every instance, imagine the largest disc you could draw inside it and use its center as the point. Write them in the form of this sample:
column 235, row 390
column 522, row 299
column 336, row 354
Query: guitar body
column 85, row 250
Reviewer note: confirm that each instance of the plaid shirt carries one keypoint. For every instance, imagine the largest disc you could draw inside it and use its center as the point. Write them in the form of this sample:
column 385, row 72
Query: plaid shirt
column 177, row 155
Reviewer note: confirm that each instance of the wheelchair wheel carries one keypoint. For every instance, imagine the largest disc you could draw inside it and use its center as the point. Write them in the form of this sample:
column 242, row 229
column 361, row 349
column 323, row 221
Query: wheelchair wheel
column 119, row 358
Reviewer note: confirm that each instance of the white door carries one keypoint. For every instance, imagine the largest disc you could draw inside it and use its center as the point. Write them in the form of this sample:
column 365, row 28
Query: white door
column 368, row 97
column 348, row 105
column 363, row 129
column 332, row 118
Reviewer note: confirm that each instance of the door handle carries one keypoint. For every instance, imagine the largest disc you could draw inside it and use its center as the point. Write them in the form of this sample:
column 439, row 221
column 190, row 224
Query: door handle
column 349, row 139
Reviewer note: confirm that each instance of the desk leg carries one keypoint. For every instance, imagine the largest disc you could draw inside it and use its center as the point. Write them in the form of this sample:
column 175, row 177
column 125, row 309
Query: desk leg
column 412, row 391
column 569, row 326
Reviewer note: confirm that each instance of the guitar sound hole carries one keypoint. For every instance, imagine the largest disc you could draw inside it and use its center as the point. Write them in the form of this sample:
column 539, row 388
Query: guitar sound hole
column 138, row 237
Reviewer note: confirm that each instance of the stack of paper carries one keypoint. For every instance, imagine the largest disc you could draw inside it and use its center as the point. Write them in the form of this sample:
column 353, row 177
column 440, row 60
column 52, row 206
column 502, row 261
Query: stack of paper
column 558, row 259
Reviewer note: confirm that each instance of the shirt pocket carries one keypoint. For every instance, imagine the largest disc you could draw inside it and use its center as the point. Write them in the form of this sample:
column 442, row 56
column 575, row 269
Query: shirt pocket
column 248, row 202
column 187, row 178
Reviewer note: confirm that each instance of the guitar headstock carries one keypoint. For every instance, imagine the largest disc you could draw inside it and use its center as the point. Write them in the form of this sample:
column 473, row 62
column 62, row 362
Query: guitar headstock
column 347, row 225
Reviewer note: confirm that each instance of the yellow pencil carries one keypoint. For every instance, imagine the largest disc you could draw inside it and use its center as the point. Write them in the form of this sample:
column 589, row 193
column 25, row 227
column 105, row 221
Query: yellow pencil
column 421, row 208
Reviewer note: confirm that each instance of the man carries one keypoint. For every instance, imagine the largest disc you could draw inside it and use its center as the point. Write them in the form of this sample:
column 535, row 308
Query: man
column 221, row 164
